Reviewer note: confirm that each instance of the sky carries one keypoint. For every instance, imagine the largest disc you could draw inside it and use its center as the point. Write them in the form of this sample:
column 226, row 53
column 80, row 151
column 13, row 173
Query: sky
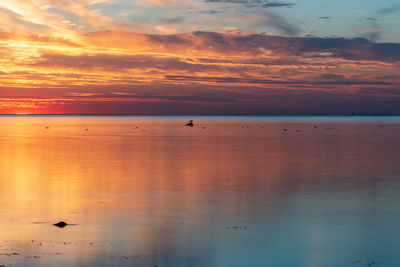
column 200, row 57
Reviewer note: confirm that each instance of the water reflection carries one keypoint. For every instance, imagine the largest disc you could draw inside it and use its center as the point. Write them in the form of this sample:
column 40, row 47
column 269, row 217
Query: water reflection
column 148, row 191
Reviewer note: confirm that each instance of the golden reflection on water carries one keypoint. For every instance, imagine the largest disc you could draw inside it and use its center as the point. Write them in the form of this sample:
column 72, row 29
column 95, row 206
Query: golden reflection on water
column 147, row 190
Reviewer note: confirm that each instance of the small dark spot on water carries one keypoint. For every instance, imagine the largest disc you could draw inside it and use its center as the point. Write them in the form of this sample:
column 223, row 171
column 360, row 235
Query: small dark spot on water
column 236, row 227
column 61, row 224
column 285, row 130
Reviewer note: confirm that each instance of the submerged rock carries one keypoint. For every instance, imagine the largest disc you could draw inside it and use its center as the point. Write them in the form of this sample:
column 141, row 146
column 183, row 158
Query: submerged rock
column 61, row 224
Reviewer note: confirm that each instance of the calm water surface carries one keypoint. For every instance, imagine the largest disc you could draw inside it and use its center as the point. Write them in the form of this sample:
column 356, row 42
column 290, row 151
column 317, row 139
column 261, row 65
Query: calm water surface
column 146, row 191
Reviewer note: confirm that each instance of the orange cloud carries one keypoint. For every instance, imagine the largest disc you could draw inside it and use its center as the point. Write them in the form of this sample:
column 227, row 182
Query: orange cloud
column 206, row 68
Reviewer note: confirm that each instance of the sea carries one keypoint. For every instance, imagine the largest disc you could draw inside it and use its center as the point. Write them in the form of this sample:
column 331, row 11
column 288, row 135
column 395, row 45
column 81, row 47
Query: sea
column 231, row 191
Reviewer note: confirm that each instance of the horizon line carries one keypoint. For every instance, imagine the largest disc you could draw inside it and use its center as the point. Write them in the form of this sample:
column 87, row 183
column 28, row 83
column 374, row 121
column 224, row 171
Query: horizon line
column 233, row 114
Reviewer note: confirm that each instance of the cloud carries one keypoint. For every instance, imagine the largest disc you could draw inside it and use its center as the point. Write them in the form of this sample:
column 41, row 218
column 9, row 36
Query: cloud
column 373, row 30
column 255, row 3
column 326, row 79
column 228, row 70
column 210, row 11
column 389, row 10
column 82, row 94
column 17, row 22
column 163, row 3
column 173, row 20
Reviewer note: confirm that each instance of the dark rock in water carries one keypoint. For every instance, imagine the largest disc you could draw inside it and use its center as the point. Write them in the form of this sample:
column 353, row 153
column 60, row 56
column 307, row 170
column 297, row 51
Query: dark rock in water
column 190, row 123
column 61, row 224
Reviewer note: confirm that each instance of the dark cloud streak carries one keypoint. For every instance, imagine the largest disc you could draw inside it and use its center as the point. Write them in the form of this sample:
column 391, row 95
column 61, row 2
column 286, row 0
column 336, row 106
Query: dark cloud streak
column 255, row 3
column 389, row 10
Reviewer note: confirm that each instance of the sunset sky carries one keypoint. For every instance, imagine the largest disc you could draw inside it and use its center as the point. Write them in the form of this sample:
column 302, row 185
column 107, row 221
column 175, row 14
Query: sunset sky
column 199, row 57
